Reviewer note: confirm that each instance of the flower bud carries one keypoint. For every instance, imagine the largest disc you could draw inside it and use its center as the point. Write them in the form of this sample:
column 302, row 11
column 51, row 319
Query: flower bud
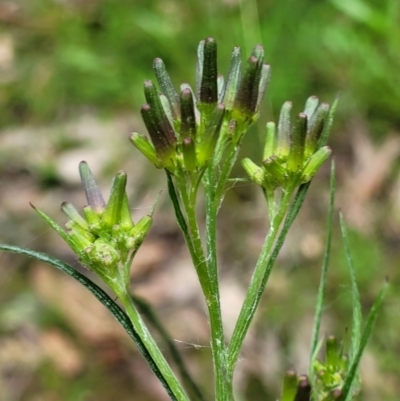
column 315, row 127
column 284, row 131
column 303, row 392
column 311, row 106
column 145, row 147
column 92, row 219
column 263, row 85
column 92, row 191
column 166, row 87
column 188, row 117
column 73, row 214
column 315, row 162
column 103, row 254
column 139, row 232
column 112, row 214
column 298, row 137
column 289, row 387
column 255, row 172
column 277, row 175
column 270, row 140
column 189, row 154
column 208, row 84
column 126, row 222
column 233, row 82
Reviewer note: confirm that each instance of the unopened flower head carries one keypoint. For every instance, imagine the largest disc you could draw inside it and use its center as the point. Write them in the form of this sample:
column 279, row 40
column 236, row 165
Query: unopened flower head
column 293, row 151
column 185, row 126
column 105, row 235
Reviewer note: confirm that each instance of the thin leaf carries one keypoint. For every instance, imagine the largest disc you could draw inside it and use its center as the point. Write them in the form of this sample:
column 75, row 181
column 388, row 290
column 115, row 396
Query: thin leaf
column 356, row 304
column 346, row 389
column 118, row 313
column 324, row 271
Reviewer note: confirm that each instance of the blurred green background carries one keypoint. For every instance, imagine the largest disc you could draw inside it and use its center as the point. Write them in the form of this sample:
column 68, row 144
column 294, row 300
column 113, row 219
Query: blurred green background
column 71, row 74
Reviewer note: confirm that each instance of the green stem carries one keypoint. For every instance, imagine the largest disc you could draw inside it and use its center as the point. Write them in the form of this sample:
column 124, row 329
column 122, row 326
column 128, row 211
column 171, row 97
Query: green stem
column 146, row 309
column 261, row 274
column 151, row 345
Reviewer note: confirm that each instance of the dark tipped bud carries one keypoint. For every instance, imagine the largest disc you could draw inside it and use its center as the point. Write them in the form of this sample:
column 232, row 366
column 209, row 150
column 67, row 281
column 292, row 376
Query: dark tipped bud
column 188, row 117
column 316, row 126
column 208, row 85
column 92, row 190
column 303, row 389
column 233, row 81
column 166, row 87
column 161, row 133
column 296, row 155
column 112, row 215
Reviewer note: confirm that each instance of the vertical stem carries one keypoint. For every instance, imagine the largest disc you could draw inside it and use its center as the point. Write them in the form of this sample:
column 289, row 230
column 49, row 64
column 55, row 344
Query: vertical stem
column 261, row 273
column 151, row 346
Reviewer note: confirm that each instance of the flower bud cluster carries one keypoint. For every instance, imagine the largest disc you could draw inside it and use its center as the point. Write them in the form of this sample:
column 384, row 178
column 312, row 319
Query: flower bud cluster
column 106, row 234
column 185, row 127
column 292, row 154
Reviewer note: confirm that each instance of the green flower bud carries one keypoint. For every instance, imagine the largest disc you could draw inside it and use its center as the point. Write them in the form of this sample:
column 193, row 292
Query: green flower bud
column 233, row 82
column 208, row 84
column 73, row 226
column 333, row 352
column 284, row 131
column 102, row 254
column 270, row 141
column 126, row 222
column 311, row 106
column 145, row 147
column 298, row 137
column 92, row 219
column 315, row 162
column 166, row 87
column 255, row 172
column 73, row 214
column 289, row 387
column 162, row 136
column 139, row 232
column 92, row 190
column 188, row 117
column 112, row 214
column 315, row 127
column 220, row 86
column 81, row 242
column 263, row 85
column 277, row 174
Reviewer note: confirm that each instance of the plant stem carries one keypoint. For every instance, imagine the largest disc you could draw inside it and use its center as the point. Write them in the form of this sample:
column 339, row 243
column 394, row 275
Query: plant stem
column 151, row 345
column 261, row 273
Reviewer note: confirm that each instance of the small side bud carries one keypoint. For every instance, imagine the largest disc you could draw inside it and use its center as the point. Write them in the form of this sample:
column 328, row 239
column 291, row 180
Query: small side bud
column 316, row 161
column 255, row 172
column 102, row 255
column 145, row 147
column 139, row 232
column 92, row 190
column 92, row 219
column 126, row 222
column 277, row 174
column 333, row 357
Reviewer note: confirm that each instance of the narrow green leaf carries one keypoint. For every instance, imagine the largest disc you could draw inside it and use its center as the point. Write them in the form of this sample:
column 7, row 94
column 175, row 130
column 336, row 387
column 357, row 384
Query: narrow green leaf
column 346, row 389
column 356, row 303
column 325, row 264
column 118, row 313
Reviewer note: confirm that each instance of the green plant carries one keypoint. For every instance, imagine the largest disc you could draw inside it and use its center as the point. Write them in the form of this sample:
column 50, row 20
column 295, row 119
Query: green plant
column 196, row 137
